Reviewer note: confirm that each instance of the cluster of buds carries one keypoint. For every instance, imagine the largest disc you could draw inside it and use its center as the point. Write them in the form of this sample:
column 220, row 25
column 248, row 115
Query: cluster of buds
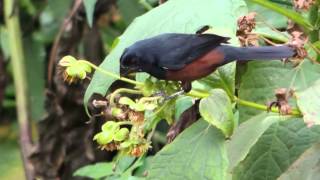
column 245, row 26
column 73, row 69
column 282, row 101
column 303, row 4
column 124, row 112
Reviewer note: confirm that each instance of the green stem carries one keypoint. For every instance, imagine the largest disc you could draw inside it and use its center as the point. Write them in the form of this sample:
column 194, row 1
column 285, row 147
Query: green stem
column 294, row 112
column 198, row 94
column 282, row 2
column 19, row 76
column 122, row 90
column 144, row 99
column 112, row 74
column 125, row 123
column 146, row 5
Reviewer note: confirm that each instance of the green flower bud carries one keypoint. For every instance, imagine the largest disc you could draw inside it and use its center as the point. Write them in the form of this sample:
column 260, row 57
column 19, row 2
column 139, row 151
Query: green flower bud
column 121, row 135
column 103, row 138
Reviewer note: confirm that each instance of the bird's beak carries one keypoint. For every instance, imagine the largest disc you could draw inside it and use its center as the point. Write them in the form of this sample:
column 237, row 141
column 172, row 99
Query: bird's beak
column 128, row 70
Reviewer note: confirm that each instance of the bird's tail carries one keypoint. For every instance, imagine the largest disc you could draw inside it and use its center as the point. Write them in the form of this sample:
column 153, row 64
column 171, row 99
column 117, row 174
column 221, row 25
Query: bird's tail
column 256, row 53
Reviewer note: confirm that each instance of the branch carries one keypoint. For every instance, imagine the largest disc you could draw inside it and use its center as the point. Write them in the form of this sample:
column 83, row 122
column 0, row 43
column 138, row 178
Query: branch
column 54, row 50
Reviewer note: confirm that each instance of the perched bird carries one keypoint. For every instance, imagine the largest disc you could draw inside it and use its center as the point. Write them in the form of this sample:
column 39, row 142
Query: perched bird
column 188, row 57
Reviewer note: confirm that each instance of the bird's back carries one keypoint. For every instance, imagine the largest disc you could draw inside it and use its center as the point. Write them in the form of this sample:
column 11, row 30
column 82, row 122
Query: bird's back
column 174, row 50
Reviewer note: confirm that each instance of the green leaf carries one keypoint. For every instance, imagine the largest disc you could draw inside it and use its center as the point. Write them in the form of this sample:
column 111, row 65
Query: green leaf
column 309, row 104
column 95, row 171
column 260, row 79
column 147, row 162
column 294, row 16
column 182, row 104
column 124, row 163
column 276, row 150
column 271, row 17
column 306, row 167
column 130, row 9
column 34, row 61
column 172, row 16
column 223, row 77
column 217, row 110
column 198, row 152
column 89, row 6
column 246, row 135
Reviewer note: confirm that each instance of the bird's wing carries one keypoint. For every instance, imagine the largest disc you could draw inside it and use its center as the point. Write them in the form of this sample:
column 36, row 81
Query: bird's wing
column 183, row 49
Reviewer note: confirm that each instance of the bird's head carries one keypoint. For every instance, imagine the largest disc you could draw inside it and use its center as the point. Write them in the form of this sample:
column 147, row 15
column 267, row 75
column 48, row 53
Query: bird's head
column 130, row 62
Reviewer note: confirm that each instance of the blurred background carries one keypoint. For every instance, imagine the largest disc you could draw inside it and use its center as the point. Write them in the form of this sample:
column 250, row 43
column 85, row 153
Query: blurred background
column 37, row 34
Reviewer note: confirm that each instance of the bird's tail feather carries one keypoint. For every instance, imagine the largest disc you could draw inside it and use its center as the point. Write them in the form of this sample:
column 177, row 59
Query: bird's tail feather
column 256, row 53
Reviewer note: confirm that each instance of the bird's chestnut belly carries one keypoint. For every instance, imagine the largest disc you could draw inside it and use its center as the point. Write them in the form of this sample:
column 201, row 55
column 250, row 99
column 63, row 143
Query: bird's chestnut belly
column 198, row 69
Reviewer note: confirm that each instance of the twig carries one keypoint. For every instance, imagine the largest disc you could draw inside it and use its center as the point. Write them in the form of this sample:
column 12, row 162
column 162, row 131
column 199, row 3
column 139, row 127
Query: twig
column 19, row 75
column 54, row 50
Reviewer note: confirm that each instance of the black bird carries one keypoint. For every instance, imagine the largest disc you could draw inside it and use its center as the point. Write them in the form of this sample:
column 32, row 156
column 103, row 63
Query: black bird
column 188, row 57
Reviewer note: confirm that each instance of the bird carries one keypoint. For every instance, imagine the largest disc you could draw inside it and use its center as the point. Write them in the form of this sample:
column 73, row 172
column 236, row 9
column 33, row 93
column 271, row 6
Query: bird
column 188, row 57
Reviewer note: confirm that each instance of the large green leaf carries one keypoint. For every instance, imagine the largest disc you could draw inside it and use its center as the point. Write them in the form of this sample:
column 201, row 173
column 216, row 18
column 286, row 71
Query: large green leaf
column 294, row 16
column 309, row 103
column 34, row 60
column 264, row 14
column 89, row 6
column 276, row 150
column 260, row 79
column 95, row 171
column 246, row 135
column 198, row 153
column 223, row 77
column 217, row 110
column 172, row 16
column 182, row 104
column 306, row 167
column 129, row 10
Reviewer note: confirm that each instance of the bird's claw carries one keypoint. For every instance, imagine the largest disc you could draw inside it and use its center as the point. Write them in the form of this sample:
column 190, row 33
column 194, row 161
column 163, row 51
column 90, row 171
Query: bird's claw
column 168, row 97
column 174, row 95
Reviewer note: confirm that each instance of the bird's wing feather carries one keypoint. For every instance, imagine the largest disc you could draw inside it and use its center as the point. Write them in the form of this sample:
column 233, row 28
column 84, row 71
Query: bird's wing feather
column 182, row 50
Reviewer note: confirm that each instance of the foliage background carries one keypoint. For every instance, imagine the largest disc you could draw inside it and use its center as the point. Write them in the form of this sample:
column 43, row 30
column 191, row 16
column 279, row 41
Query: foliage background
column 264, row 146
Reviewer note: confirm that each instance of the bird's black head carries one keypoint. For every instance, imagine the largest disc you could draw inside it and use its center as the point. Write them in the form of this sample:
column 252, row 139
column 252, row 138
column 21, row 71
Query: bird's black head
column 130, row 62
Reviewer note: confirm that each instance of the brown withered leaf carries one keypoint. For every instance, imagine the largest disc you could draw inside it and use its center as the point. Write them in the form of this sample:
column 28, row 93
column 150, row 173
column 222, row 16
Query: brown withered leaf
column 303, row 4
column 245, row 26
column 282, row 97
column 298, row 40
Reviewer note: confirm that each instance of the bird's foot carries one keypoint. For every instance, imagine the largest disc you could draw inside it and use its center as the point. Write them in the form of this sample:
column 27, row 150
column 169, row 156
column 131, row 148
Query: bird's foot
column 166, row 97
column 174, row 95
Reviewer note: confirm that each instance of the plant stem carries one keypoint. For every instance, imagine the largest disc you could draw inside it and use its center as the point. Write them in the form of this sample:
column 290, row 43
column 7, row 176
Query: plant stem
column 144, row 99
column 146, row 5
column 294, row 112
column 19, row 76
column 112, row 74
column 122, row 90
column 124, row 123
column 198, row 94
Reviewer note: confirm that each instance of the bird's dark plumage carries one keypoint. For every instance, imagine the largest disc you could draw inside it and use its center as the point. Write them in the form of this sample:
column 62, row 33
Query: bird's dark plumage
column 174, row 51
column 187, row 57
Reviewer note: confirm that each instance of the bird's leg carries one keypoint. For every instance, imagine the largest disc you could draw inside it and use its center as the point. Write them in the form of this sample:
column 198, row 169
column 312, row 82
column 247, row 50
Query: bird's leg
column 174, row 95
column 186, row 87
